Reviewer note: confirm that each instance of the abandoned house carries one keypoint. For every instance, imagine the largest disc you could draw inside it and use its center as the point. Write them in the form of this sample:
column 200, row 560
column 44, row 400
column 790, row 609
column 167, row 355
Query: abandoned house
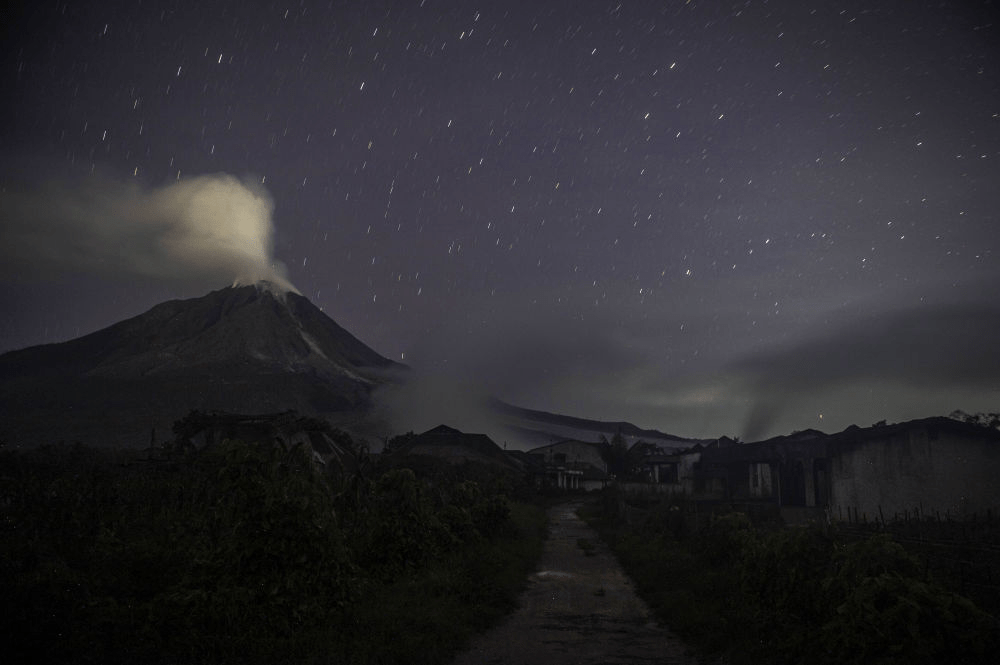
column 456, row 447
column 933, row 465
column 570, row 465
column 327, row 447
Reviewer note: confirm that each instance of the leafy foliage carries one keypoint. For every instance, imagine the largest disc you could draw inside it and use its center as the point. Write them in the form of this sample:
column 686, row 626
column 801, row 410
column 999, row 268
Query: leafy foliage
column 796, row 595
column 246, row 553
column 622, row 461
column 981, row 419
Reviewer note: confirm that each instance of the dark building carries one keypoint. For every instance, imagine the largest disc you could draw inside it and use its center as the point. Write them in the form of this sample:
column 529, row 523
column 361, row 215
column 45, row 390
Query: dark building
column 933, row 465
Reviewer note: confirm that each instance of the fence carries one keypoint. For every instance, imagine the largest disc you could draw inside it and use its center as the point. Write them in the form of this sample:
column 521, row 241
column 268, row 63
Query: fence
column 963, row 554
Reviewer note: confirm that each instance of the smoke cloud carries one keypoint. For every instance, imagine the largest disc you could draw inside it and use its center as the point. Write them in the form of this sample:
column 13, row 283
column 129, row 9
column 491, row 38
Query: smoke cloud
column 212, row 227
column 907, row 352
column 525, row 356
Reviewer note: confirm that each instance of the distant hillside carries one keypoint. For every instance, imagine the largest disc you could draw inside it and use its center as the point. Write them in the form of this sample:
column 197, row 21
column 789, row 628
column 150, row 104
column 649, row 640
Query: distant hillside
column 529, row 428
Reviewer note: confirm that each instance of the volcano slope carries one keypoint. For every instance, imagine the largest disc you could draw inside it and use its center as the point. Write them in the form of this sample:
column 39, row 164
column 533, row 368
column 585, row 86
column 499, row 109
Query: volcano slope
column 243, row 349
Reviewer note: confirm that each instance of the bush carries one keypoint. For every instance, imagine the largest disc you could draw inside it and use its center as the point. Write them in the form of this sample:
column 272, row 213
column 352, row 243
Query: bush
column 246, row 553
column 795, row 595
column 883, row 611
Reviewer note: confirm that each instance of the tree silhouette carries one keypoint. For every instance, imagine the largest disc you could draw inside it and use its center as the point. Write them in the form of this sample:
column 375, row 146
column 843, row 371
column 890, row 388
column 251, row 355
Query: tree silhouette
column 982, row 419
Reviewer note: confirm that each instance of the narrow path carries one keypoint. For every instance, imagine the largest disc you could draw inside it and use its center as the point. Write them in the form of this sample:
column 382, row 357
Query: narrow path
column 578, row 609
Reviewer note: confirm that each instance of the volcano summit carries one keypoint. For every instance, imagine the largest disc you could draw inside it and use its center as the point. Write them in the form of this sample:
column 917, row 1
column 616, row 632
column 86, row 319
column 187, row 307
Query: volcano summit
column 247, row 349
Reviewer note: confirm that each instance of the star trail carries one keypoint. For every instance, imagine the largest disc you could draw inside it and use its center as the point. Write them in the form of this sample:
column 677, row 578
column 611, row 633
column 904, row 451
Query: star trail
column 707, row 217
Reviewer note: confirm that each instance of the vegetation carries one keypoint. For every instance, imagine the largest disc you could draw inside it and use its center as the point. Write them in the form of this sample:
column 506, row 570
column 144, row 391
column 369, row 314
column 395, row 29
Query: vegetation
column 247, row 553
column 623, row 462
column 982, row 419
column 754, row 594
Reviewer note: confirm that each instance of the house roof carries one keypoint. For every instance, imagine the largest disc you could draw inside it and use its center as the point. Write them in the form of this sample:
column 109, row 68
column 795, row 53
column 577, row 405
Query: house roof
column 287, row 427
column 938, row 423
column 530, row 462
column 659, row 459
column 648, row 450
column 815, row 442
column 802, row 435
column 557, row 444
column 456, row 447
column 441, row 430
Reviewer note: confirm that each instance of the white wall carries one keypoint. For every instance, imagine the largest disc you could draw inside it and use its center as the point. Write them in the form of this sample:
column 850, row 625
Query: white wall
column 575, row 451
column 950, row 474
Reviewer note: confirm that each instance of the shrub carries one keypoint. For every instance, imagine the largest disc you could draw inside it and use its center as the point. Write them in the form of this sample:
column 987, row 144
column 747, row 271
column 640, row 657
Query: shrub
column 795, row 595
column 881, row 610
column 245, row 553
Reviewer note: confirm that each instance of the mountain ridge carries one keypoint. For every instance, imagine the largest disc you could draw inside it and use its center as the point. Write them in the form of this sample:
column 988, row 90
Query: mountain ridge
column 608, row 427
column 239, row 348
column 179, row 330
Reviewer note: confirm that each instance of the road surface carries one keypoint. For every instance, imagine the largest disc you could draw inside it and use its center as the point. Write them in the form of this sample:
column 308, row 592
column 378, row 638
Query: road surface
column 578, row 609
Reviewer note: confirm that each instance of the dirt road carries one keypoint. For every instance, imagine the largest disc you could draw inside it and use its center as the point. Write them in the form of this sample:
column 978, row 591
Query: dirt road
column 578, row 609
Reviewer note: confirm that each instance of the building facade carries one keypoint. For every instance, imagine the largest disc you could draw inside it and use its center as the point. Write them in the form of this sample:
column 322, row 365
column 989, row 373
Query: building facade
column 931, row 466
column 570, row 465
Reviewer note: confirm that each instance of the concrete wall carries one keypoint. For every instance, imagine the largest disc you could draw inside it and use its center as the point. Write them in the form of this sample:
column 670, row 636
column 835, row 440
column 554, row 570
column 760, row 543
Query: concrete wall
column 921, row 468
column 686, row 472
column 685, row 480
column 760, row 481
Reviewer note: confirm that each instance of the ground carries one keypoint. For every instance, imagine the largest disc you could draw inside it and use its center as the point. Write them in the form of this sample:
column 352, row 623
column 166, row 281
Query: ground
column 580, row 608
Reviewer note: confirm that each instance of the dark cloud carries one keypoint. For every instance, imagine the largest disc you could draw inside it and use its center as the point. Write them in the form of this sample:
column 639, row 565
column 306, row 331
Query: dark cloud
column 930, row 348
column 934, row 345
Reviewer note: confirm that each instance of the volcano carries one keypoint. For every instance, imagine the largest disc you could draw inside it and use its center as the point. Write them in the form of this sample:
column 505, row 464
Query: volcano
column 242, row 349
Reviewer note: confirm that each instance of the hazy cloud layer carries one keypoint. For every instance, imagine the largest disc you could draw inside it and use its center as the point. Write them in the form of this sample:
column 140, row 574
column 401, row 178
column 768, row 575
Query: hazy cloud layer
column 947, row 344
column 858, row 367
column 519, row 354
column 907, row 353
column 212, row 228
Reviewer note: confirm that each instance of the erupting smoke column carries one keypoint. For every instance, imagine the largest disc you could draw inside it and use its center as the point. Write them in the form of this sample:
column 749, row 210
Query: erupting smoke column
column 207, row 227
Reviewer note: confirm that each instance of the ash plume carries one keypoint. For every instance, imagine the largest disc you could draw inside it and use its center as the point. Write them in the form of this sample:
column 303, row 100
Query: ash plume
column 205, row 228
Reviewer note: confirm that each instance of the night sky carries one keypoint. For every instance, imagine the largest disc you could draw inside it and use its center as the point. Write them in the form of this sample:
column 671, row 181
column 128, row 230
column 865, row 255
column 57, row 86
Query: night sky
column 707, row 217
